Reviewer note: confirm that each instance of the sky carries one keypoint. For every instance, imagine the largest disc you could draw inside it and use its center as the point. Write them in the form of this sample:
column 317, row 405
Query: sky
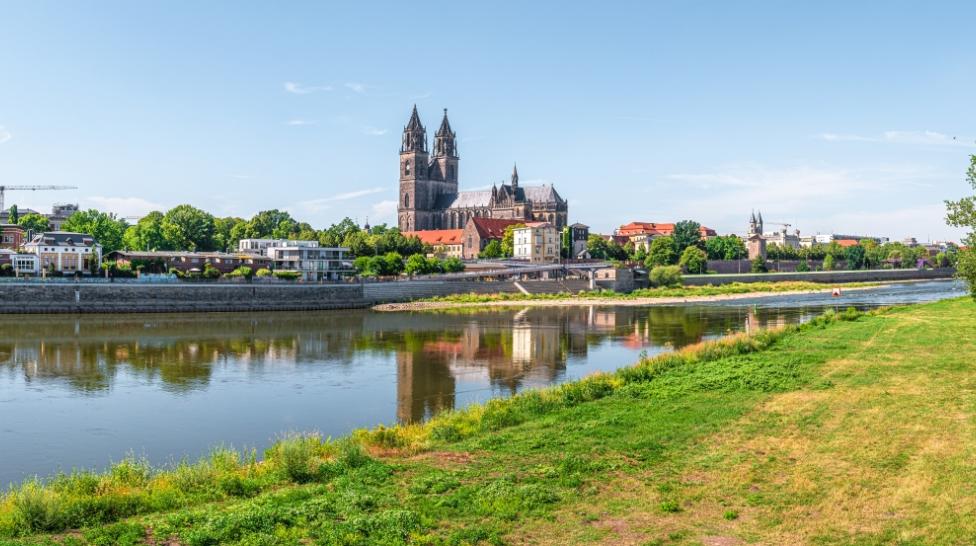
column 843, row 117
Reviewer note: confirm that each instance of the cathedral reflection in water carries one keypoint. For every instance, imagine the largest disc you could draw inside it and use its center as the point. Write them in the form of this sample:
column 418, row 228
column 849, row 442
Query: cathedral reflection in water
column 437, row 355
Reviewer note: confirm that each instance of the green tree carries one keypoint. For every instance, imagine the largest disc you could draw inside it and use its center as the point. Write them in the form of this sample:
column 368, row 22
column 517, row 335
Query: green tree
column 758, row 265
column 962, row 213
column 727, row 247
column 693, row 260
column 452, row 264
column 508, row 240
column 492, row 250
column 34, row 222
column 686, row 233
column 663, row 252
column 418, row 264
column 855, row 257
column 14, row 215
column 227, row 234
column 565, row 243
column 188, row 228
column 146, row 234
column 598, row 247
column 103, row 226
column 828, row 262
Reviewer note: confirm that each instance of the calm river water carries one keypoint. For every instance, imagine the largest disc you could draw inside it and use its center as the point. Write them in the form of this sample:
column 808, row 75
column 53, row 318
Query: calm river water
column 81, row 391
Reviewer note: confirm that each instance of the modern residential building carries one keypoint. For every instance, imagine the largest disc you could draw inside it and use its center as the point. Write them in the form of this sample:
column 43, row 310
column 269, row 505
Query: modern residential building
column 313, row 263
column 444, row 243
column 430, row 196
column 59, row 214
column 66, row 252
column 536, row 242
column 261, row 246
column 11, row 236
column 478, row 232
column 642, row 233
column 827, row 238
column 160, row 261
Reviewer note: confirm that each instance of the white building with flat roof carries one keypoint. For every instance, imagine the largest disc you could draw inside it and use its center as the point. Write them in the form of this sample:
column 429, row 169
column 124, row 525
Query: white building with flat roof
column 261, row 246
column 313, row 263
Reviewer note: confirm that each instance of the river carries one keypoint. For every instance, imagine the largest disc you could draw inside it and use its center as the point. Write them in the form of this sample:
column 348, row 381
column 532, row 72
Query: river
column 81, row 391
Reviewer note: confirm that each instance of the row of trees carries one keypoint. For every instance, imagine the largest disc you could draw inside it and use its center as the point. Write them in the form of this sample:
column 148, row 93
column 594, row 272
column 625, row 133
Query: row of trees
column 393, row 263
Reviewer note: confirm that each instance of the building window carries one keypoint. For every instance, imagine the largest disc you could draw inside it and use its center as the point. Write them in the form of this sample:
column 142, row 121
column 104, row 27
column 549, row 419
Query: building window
column 406, row 201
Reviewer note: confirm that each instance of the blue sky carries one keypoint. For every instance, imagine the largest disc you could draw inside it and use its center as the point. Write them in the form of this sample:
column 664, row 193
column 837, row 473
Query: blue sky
column 832, row 116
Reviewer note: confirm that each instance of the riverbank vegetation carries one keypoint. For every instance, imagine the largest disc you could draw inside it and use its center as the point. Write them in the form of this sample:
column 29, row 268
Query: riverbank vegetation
column 665, row 291
column 839, row 431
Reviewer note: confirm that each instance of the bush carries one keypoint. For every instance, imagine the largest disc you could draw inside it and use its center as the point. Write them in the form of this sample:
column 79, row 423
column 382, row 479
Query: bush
column 287, row 275
column 179, row 274
column 759, row 265
column 802, row 267
column 6, row 270
column 210, row 272
column 665, row 275
column 828, row 263
column 242, row 271
column 966, row 269
column 263, row 272
column 694, row 260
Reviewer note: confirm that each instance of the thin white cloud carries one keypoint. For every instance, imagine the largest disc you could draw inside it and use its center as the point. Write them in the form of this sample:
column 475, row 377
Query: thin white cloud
column 323, row 203
column 299, row 122
column 924, row 138
column 806, row 196
column 299, row 89
column 356, row 87
column 384, row 212
column 122, row 206
column 5, row 135
column 374, row 131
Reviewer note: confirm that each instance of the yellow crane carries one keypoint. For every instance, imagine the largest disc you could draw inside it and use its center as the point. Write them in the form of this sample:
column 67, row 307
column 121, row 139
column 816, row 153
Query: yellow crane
column 3, row 191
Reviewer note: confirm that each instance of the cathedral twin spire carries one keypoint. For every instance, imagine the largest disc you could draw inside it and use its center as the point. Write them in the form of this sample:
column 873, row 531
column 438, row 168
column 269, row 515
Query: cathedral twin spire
column 415, row 137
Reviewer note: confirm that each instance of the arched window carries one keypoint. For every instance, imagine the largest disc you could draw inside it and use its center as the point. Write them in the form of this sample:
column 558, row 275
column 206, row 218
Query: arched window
column 406, row 200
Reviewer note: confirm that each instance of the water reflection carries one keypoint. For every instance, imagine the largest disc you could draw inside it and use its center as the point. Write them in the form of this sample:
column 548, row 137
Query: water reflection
column 504, row 350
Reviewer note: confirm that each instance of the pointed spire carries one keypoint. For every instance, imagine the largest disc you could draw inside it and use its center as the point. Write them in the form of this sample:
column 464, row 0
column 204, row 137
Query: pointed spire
column 414, row 122
column 414, row 134
column 514, row 175
column 445, row 129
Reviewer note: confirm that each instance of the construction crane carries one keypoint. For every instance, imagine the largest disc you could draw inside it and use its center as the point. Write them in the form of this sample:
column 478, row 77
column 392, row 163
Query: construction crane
column 786, row 227
column 3, row 190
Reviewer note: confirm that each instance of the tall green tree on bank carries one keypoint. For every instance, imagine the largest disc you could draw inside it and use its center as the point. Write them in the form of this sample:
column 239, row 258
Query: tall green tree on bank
column 14, row 215
column 725, row 247
column 962, row 213
column 693, row 260
column 34, row 222
column 188, row 228
column 508, row 240
column 663, row 251
column 147, row 233
column 686, row 233
column 108, row 230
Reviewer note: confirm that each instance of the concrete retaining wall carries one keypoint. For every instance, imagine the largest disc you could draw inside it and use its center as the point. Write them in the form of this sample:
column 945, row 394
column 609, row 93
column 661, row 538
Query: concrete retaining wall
column 824, row 276
column 132, row 297
column 413, row 290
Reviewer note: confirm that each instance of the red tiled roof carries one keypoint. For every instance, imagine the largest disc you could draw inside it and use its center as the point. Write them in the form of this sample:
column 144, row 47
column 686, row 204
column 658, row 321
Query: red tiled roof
column 847, row 242
column 493, row 228
column 436, row 237
column 653, row 228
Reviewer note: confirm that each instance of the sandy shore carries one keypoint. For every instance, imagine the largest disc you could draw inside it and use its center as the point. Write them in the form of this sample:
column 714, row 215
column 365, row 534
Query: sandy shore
column 629, row 302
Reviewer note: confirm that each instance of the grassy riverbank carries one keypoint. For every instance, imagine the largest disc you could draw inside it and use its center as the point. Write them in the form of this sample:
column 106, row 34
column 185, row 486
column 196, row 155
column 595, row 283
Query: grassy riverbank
column 662, row 292
column 854, row 429
column 644, row 296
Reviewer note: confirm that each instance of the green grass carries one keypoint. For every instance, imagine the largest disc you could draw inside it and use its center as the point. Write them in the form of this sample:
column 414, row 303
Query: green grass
column 662, row 292
column 853, row 429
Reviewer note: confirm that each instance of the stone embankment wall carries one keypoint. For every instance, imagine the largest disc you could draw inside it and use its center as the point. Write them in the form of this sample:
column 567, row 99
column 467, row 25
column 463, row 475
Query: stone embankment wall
column 173, row 297
column 825, row 276
column 411, row 290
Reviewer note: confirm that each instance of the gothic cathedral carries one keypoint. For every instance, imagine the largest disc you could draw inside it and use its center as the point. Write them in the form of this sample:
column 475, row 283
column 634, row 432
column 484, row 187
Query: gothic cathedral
column 429, row 196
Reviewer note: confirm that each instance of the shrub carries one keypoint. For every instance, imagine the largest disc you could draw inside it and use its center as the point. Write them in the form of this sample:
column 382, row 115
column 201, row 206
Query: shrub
column 36, row 509
column 179, row 274
column 293, row 456
column 665, row 275
column 802, row 267
column 287, row 275
column 242, row 271
column 828, row 262
column 966, row 269
column 759, row 265
column 210, row 272
column 263, row 272
column 694, row 260
column 6, row 270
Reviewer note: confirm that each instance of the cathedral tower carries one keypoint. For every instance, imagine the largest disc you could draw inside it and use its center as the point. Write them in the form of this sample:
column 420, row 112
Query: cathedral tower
column 415, row 194
column 445, row 163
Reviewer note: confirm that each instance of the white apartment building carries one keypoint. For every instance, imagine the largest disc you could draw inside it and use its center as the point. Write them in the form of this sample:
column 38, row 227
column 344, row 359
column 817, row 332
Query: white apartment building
column 312, row 262
column 65, row 252
column 536, row 242
column 261, row 246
